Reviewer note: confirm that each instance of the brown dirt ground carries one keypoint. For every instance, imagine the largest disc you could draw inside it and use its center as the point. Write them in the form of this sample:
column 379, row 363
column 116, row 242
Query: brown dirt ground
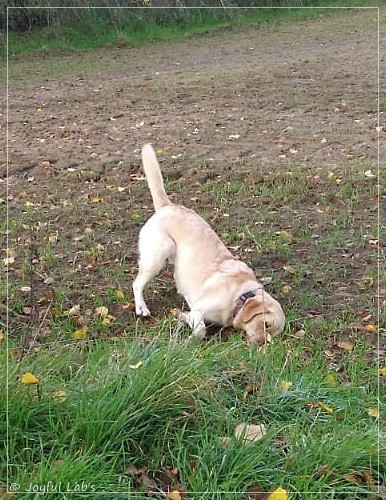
column 246, row 104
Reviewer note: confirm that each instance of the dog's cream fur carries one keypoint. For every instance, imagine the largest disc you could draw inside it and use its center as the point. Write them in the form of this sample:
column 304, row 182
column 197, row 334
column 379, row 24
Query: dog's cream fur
column 206, row 274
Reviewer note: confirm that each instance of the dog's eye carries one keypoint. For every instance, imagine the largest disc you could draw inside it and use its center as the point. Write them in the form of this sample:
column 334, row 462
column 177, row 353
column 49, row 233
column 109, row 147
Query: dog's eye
column 267, row 325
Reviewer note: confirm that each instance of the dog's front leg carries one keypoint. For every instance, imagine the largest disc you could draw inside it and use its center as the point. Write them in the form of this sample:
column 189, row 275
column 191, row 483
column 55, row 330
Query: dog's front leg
column 196, row 322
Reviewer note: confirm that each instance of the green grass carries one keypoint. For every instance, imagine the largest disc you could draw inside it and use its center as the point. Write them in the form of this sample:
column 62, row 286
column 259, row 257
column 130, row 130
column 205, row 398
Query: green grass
column 101, row 28
column 172, row 410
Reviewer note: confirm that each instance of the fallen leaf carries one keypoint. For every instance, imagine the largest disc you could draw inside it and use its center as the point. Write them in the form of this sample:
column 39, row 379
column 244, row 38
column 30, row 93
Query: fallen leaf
column 175, row 495
column 250, row 432
column 79, row 334
column 255, row 492
column 129, row 305
column 326, row 408
column 373, row 412
column 108, row 319
column 350, row 478
column 136, row 366
column 369, row 328
column 382, row 371
column 119, row 294
column 278, row 494
column 225, row 441
column 28, row 378
column 74, row 311
column 9, row 260
column 132, row 470
column 285, row 384
column 101, row 311
column 323, row 469
column 346, row 345
column 25, row 289
column 285, row 234
column 249, row 388
column 60, row 395
column 175, row 312
column 320, row 405
column 1, row 335
column 331, row 380
column 286, row 289
column 367, row 478
column 289, row 270
column 369, row 174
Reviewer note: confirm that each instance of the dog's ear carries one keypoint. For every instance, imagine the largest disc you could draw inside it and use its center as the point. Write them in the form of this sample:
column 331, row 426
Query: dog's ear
column 251, row 308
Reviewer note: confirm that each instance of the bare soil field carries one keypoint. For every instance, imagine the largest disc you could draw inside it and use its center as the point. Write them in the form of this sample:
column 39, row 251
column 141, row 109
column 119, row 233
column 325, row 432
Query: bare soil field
column 268, row 132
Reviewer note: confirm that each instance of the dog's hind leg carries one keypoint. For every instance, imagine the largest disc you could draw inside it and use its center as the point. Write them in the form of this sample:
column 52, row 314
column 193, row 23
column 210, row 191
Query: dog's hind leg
column 154, row 249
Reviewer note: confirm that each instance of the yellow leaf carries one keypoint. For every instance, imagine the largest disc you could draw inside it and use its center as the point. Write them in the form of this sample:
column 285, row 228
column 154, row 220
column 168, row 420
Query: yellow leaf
column 52, row 238
column 369, row 328
column 325, row 407
column 286, row 289
column 285, row 384
column 60, row 395
column 29, row 378
column 346, row 345
column 373, row 412
column 1, row 335
column 331, row 380
column 278, row 494
column 119, row 294
column 287, row 235
column 96, row 199
column 108, row 319
column 382, row 371
column 350, row 478
column 136, row 366
column 174, row 495
column 79, row 334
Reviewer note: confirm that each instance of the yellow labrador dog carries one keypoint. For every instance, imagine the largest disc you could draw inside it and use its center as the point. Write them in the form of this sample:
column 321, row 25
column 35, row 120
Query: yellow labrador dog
column 217, row 287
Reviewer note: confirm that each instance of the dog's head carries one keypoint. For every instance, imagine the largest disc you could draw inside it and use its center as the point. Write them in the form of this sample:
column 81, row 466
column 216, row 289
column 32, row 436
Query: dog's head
column 259, row 317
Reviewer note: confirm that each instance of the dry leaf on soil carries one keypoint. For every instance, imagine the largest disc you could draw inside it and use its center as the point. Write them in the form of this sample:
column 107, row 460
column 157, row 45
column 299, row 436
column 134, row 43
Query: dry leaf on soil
column 346, row 345
column 101, row 311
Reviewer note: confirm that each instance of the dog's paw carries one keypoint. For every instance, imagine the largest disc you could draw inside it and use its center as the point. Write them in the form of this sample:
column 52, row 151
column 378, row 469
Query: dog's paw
column 142, row 310
column 199, row 332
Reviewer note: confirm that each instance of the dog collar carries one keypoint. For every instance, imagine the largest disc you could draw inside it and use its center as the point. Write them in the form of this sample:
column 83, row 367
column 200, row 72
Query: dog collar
column 242, row 299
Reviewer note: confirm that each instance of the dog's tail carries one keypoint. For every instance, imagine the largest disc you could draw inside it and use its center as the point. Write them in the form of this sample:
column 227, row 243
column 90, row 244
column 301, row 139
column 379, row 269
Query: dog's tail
column 154, row 177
